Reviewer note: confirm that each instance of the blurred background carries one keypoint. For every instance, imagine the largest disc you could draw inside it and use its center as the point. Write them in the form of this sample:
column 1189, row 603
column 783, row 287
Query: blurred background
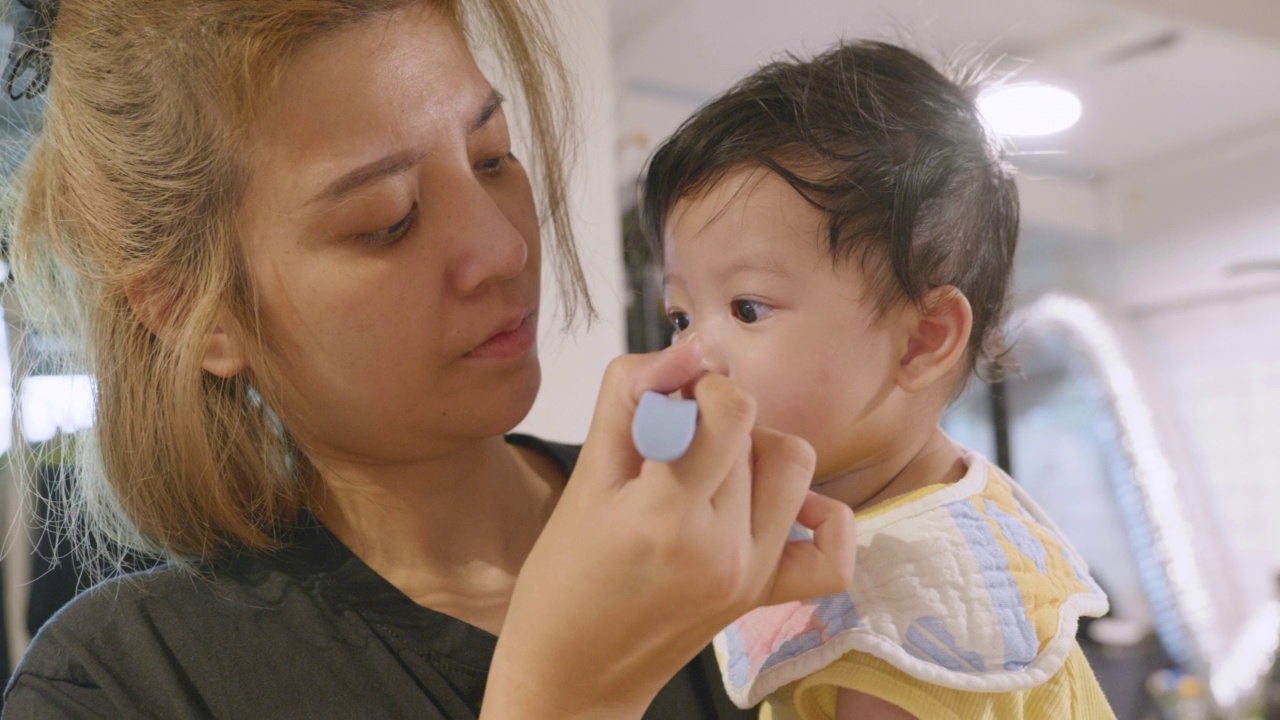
column 1147, row 411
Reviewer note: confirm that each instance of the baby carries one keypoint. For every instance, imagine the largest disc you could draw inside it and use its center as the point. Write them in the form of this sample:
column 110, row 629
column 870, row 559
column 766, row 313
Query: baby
column 839, row 233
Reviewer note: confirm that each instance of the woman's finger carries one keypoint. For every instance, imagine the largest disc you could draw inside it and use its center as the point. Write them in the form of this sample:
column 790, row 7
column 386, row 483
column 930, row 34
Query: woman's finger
column 732, row 499
column 722, row 441
column 781, row 476
column 823, row 566
column 608, row 449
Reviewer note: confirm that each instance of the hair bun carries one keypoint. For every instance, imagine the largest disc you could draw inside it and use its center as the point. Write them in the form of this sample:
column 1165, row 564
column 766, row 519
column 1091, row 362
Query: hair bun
column 29, row 55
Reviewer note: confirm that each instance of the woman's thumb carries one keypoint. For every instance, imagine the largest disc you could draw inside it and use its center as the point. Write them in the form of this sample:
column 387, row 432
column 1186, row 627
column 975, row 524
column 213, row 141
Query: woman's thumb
column 609, row 445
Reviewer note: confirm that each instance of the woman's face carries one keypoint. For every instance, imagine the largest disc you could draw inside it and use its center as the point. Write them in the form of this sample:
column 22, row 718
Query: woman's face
column 393, row 241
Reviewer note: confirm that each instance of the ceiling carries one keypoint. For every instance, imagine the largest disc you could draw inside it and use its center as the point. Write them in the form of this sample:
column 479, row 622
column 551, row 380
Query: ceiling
column 1157, row 78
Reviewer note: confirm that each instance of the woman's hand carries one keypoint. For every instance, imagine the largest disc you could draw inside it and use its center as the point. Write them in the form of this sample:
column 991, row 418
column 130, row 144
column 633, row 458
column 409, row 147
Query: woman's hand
column 642, row 563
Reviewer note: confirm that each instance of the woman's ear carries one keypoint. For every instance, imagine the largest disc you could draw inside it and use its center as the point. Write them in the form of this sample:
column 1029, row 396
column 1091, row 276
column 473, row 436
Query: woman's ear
column 224, row 353
column 938, row 338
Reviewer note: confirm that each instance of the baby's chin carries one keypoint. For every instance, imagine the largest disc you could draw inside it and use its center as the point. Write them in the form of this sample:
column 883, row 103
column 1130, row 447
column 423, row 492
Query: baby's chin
column 838, row 472
column 825, row 479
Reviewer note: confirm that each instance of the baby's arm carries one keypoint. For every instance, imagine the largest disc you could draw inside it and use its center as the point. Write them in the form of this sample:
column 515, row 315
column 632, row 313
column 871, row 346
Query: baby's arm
column 854, row 705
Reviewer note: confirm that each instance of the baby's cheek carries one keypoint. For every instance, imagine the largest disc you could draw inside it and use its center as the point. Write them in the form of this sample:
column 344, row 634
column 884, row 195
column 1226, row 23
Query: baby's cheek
column 791, row 404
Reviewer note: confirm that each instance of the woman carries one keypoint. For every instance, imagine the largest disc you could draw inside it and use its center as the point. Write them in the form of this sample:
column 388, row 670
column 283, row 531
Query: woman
column 304, row 263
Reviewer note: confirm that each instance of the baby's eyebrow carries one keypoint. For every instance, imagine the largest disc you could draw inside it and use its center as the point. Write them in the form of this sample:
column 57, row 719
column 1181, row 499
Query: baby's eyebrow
column 764, row 264
column 760, row 264
column 667, row 277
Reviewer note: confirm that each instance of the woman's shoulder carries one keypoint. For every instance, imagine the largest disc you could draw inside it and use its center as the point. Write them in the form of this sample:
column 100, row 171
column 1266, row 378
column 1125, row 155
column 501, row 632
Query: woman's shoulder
column 127, row 615
column 176, row 641
column 117, row 629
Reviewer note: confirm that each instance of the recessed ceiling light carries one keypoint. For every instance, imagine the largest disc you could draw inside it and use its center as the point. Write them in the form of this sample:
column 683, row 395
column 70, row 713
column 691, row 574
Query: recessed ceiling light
column 1029, row 109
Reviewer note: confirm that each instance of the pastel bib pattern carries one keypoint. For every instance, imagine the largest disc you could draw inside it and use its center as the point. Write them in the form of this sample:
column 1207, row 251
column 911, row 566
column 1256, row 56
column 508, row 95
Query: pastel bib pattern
column 969, row 587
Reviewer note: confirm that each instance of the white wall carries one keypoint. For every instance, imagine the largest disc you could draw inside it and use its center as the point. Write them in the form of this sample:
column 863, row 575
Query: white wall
column 573, row 365
column 1184, row 220
column 1210, row 341
column 1205, row 342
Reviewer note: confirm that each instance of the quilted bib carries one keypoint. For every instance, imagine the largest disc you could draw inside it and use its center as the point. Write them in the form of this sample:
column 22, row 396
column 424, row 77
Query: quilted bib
column 969, row 586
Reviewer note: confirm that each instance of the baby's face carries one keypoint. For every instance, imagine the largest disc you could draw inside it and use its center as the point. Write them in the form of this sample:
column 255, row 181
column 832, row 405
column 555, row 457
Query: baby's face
column 748, row 271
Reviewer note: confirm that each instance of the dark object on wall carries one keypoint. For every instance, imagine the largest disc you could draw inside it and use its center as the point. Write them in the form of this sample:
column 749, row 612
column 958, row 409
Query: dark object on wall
column 4, row 640
column 647, row 326
column 1271, row 686
column 54, row 579
column 1000, row 424
column 57, row 574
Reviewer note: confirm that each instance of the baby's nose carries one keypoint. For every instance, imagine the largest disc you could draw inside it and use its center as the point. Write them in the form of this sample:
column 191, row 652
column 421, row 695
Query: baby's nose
column 713, row 356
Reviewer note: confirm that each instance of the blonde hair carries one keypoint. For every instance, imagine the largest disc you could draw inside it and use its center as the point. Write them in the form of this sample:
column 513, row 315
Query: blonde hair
column 133, row 182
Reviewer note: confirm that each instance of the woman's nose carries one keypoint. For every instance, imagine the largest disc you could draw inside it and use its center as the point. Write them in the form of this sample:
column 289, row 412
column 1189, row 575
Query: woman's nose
column 487, row 246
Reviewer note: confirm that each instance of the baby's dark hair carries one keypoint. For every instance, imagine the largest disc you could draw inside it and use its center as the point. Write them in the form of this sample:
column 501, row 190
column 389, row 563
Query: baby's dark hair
column 890, row 149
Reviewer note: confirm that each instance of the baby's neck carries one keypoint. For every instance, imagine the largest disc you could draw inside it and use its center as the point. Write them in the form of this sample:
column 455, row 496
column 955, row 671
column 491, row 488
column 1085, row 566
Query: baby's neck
column 930, row 460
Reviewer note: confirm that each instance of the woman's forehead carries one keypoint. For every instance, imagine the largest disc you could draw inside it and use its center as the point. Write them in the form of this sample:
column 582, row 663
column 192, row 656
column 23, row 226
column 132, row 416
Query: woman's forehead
column 400, row 85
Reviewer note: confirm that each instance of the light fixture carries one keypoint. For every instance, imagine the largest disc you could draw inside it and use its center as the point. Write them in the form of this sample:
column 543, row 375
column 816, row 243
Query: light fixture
column 1029, row 109
column 53, row 403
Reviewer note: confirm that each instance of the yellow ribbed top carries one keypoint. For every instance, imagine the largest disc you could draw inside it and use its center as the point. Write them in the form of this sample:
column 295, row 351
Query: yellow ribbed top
column 1071, row 694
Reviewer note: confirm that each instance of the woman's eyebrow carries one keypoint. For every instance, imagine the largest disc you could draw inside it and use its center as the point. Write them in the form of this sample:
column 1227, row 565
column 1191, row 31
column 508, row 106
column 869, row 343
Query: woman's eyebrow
column 400, row 161
column 491, row 106
column 392, row 164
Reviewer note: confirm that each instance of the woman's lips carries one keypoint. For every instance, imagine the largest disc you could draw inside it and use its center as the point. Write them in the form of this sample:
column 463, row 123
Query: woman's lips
column 507, row 344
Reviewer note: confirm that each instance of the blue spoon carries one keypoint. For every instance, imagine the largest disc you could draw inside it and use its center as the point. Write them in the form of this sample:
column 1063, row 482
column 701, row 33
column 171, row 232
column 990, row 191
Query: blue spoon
column 663, row 427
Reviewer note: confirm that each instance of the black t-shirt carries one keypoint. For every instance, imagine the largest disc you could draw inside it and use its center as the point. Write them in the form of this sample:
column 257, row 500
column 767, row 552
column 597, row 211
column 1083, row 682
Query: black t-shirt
column 309, row 632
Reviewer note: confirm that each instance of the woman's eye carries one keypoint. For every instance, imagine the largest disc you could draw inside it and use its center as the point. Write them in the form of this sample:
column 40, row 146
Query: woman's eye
column 679, row 319
column 391, row 234
column 493, row 166
column 749, row 311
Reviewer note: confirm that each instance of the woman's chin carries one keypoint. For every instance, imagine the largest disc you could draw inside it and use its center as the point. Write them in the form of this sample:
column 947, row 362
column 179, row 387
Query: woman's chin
column 514, row 399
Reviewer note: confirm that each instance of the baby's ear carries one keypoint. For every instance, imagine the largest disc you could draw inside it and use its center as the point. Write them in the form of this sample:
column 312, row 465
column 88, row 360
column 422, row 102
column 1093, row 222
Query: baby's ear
column 155, row 301
column 938, row 338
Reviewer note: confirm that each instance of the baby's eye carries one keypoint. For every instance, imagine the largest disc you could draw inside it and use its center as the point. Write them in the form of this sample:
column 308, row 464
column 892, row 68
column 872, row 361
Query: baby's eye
column 679, row 319
column 749, row 311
